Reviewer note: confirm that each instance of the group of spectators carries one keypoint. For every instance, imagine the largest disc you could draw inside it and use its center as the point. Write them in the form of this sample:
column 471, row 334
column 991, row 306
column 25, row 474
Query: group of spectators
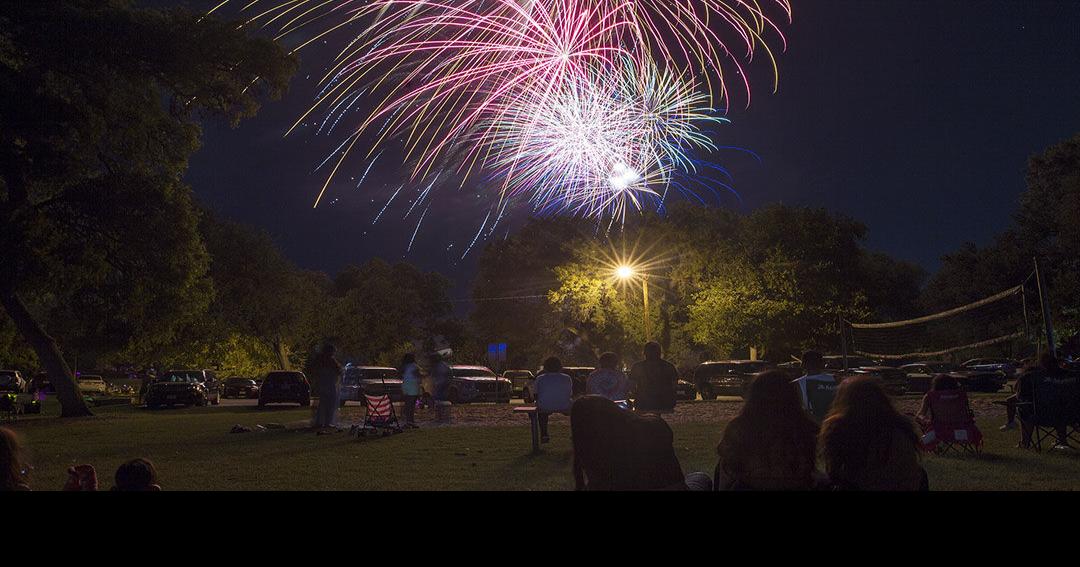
column 774, row 443
column 136, row 475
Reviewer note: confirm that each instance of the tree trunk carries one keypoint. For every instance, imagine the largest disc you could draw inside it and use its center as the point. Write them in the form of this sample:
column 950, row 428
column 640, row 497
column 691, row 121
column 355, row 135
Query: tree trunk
column 282, row 351
column 67, row 390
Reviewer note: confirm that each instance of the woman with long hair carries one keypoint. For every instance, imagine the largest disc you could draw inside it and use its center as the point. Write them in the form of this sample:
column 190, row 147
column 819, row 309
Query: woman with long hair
column 13, row 467
column 772, row 443
column 615, row 449
column 866, row 444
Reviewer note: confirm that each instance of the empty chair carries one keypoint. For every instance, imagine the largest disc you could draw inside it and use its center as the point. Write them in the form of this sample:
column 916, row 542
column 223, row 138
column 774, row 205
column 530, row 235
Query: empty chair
column 380, row 416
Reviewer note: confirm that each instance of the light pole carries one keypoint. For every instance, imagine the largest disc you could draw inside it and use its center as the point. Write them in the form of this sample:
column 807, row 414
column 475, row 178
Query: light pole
column 626, row 273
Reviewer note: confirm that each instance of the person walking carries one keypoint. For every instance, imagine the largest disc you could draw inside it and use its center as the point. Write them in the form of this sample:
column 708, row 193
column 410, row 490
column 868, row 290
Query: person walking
column 410, row 388
column 328, row 375
column 608, row 381
column 654, row 381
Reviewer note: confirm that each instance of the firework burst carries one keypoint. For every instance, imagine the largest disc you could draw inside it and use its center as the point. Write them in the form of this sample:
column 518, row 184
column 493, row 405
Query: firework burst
column 588, row 107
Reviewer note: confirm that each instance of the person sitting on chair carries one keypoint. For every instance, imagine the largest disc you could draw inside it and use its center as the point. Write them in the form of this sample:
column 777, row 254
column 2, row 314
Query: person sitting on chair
column 941, row 383
column 554, row 391
column 866, row 444
column 772, row 443
column 1025, row 395
column 608, row 380
column 654, row 381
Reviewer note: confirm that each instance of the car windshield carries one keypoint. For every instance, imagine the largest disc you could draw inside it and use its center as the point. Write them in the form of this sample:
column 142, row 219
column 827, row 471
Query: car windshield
column 753, row 367
column 282, row 378
column 518, row 374
column 713, row 369
column 353, row 373
column 7, row 378
column 837, row 362
column 177, row 378
column 473, row 373
column 182, row 376
column 239, row 382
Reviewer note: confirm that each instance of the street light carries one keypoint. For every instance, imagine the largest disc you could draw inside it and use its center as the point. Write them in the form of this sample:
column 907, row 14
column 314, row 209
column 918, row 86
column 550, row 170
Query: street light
column 626, row 272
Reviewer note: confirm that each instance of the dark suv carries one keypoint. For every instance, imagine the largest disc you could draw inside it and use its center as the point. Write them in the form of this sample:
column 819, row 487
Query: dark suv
column 727, row 377
column 281, row 387
column 211, row 385
column 176, row 388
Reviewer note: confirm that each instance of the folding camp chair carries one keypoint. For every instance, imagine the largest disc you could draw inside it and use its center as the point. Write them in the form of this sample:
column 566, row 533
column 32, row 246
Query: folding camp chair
column 1055, row 404
column 952, row 424
column 819, row 398
column 380, row 417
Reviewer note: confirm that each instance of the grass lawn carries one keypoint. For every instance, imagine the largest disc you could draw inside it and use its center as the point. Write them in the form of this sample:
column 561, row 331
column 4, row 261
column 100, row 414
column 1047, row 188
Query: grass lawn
column 194, row 450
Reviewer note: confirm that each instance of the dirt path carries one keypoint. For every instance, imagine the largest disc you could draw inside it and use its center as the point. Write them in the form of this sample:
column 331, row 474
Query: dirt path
column 718, row 411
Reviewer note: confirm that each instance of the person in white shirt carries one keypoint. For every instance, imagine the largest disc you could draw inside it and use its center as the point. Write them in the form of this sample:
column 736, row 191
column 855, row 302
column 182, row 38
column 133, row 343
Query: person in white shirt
column 554, row 391
column 812, row 363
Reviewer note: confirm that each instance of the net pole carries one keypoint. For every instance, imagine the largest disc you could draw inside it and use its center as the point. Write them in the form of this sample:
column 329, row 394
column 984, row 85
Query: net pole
column 1045, row 302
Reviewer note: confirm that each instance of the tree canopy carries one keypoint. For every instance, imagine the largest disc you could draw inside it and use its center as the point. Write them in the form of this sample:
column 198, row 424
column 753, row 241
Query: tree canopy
column 94, row 218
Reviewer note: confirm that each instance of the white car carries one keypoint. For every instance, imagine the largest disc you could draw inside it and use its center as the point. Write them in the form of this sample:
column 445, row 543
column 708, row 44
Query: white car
column 92, row 384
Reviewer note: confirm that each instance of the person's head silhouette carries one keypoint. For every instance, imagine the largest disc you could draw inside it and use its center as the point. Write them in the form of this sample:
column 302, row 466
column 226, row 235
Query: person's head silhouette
column 652, row 350
column 136, row 475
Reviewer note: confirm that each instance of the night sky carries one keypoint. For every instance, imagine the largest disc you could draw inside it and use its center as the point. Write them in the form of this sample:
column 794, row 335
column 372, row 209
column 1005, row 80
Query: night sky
column 915, row 117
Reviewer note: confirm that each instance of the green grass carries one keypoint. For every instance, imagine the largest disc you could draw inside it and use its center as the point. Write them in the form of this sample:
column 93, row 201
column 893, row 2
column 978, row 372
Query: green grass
column 194, row 450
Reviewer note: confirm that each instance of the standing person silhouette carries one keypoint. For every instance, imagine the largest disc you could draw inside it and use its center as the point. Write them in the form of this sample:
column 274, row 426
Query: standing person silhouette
column 328, row 375
column 440, row 377
column 410, row 388
column 654, row 381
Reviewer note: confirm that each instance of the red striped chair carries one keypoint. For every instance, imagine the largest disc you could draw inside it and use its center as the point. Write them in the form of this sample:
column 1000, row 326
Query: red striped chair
column 380, row 417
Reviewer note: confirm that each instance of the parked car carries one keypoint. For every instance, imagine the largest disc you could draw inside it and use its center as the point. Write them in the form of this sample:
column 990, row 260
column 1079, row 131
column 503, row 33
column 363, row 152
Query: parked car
column 834, row 363
column 285, row 387
column 176, row 388
column 520, row 382
column 1006, row 366
column 205, row 377
column 921, row 374
column 685, row 390
column 356, row 381
column 726, row 377
column 92, row 384
column 12, row 381
column 243, row 388
column 477, row 384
